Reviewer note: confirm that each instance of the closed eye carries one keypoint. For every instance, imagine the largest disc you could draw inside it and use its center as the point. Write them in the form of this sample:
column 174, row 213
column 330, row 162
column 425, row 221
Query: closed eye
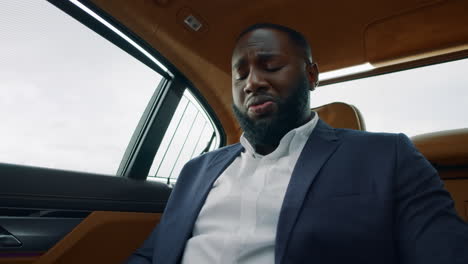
column 241, row 77
column 274, row 69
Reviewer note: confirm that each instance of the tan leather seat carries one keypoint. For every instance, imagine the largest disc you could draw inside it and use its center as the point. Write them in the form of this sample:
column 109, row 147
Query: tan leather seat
column 341, row 115
column 448, row 152
column 444, row 148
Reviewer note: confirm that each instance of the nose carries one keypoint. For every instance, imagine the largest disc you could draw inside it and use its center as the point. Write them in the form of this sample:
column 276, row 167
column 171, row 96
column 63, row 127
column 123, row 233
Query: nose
column 255, row 81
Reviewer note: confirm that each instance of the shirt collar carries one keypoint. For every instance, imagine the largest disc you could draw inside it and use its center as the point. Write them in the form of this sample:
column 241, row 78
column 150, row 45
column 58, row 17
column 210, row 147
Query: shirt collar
column 302, row 131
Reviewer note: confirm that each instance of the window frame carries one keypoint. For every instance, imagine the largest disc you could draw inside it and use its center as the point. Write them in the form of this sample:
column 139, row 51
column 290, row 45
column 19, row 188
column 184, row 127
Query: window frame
column 149, row 133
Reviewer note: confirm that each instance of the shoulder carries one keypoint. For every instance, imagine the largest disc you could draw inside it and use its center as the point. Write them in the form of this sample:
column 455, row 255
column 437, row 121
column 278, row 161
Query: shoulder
column 357, row 136
column 214, row 155
column 350, row 136
column 198, row 168
column 374, row 140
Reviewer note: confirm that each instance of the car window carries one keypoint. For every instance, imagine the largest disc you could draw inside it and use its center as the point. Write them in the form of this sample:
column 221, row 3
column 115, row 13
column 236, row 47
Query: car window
column 413, row 102
column 190, row 134
column 70, row 98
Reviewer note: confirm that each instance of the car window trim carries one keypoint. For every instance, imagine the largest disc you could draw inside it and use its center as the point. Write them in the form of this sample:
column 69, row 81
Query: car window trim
column 148, row 135
column 93, row 24
column 150, row 131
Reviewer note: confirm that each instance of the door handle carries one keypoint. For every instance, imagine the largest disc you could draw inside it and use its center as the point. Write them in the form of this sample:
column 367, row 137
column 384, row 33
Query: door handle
column 8, row 240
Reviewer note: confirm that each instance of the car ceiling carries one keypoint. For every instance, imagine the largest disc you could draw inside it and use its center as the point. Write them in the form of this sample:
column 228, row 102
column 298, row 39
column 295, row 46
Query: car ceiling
column 342, row 33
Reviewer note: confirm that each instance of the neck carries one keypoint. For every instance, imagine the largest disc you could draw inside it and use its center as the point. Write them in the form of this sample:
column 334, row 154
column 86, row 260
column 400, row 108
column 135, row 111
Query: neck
column 267, row 149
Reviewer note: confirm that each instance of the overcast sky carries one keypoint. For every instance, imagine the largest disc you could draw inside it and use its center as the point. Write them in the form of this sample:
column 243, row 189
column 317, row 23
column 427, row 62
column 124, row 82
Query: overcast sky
column 71, row 100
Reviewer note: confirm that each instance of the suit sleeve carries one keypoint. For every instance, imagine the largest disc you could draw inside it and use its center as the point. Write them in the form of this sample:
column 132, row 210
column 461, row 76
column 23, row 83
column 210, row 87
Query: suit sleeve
column 144, row 255
column 428, row 228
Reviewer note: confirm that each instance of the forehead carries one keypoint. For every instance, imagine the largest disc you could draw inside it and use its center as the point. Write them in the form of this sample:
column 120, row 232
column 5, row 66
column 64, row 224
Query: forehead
column 263, row 40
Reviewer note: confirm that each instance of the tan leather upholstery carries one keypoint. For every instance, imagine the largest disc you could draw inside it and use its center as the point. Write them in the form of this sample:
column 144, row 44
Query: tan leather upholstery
column 448, row 152
column 341, row 115
column 370, row 31
column 102, row 237
column 458, row 189
column 444, row 148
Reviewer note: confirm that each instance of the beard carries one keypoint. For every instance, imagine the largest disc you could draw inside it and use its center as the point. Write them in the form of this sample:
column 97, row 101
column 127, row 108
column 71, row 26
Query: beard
column 289, row 115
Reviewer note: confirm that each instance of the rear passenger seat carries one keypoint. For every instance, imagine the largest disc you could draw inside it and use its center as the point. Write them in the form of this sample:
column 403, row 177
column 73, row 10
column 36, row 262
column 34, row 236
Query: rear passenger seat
column 448, row 152
column 341, row 115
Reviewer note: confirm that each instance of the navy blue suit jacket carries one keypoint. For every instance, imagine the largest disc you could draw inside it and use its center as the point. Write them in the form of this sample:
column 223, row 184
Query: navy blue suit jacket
column 353, row 197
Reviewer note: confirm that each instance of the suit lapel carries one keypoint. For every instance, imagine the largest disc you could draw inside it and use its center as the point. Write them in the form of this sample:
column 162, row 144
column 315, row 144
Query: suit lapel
column 198, row 192
column 321, row 144
column 204, row 182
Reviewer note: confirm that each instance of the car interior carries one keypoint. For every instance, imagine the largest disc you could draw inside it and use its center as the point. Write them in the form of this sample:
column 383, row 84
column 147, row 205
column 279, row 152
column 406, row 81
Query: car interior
column 61, row 215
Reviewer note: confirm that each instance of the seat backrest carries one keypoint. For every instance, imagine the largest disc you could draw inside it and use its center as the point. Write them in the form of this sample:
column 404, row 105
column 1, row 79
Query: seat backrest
column 444, row 148
column 341, row 115
column 448, row 152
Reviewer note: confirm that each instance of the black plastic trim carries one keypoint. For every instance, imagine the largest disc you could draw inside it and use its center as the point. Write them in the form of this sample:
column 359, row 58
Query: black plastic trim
column 35, row 233
column 34, row 212
column 161, row 112
column 31, row 187
column 141, row 131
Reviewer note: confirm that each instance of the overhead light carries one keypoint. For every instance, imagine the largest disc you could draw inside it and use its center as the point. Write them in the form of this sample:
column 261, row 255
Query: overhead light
column 120, row 33
column 346, row 71
column 193, row 23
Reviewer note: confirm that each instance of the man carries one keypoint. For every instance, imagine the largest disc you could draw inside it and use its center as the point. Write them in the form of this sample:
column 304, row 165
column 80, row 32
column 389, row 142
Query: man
column 298, row 191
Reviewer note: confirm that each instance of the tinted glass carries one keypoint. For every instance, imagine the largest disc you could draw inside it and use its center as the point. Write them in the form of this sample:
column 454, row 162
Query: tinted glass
column 190, row 133
column 415, row 101
column 70, row 98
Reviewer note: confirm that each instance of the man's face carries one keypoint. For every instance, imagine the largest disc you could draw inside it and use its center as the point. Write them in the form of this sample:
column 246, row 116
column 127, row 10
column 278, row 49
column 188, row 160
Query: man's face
column 271, row 80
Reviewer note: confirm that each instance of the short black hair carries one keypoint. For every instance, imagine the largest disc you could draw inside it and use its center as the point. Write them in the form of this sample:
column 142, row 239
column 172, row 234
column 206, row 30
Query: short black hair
column 297, row 38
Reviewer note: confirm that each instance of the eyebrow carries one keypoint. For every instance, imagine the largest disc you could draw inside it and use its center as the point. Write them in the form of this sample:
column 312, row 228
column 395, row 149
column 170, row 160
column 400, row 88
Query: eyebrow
column 261, row 56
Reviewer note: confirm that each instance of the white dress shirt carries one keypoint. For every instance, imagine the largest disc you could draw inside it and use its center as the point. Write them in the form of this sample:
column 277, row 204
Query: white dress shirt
column 237, row 223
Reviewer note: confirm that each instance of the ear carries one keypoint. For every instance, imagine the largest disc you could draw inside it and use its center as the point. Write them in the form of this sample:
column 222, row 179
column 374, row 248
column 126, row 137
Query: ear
column 312, row 74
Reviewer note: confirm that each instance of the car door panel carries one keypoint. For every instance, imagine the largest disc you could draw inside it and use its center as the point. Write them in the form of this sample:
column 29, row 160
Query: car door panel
column 103, row 237
column 70, row 217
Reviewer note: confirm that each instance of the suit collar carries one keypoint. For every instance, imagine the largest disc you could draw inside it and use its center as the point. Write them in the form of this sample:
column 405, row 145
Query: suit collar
column 321, row 144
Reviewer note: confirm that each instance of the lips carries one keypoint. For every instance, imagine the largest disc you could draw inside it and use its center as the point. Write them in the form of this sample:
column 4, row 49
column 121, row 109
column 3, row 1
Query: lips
column 262, row 109
column 258, row 100
column 260, row 105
